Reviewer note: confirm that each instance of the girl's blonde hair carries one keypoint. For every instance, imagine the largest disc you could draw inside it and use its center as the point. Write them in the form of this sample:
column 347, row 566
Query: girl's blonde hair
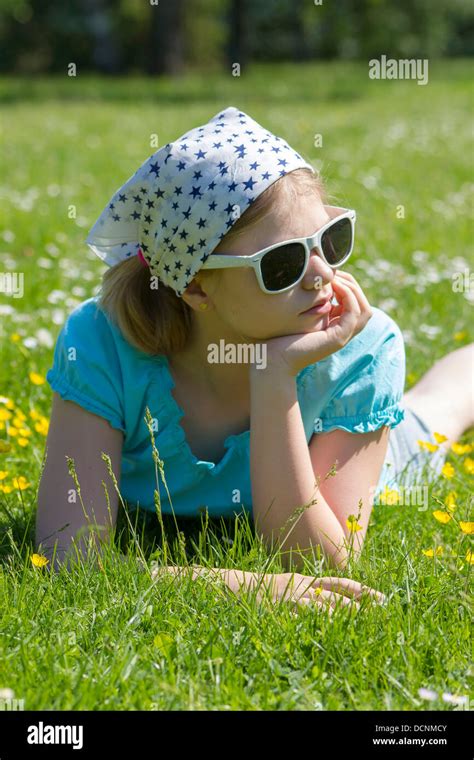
column 158, row 321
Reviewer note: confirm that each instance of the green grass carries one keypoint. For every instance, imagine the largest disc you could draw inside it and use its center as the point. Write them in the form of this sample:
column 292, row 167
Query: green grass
column 116, row 640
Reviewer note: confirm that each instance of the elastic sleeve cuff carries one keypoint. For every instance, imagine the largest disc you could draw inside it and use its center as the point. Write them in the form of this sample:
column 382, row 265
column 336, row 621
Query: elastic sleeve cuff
column 68, row 393
column 391, row 416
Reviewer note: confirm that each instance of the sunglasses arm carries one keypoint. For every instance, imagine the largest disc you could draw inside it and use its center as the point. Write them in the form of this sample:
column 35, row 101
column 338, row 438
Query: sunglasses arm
column 220, row 261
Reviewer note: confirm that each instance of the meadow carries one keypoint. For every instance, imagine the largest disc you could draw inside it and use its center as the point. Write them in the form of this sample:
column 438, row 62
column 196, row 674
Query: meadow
column 114, row 639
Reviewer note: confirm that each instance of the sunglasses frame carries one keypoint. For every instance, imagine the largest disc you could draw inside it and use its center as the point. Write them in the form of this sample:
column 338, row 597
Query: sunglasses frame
column 228, row 261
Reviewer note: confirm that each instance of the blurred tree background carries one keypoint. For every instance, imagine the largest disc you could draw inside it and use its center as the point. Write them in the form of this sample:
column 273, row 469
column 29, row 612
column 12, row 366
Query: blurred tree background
column 157, row 37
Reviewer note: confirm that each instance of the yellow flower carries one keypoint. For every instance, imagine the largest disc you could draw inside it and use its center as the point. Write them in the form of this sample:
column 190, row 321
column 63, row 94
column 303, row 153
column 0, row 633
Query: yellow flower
column 5, row 414
column 427, row 445
column 34, row 414
column 460, row 448
column 36, row 379
column 433, row 553
column 13, row 432
column 448, row 470
column 470, row 557
column 42, row 427
column 440, row 438
column 441, row 516
column 450, row 501
column 3, row 474
column 39, row 560
column 467, row 527
column 7, row 401
column 460, row 335
column 411, row 378
column 469, row 465
column 352, row 524
column 20, row 483
column 23, row 442
column 4, row 446
column 6, row 489
column 389, row 496
column 393, row 497
column 15, row 337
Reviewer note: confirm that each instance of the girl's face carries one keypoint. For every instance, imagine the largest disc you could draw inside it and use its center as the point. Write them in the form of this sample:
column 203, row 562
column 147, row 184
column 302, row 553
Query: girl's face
column 236, row 297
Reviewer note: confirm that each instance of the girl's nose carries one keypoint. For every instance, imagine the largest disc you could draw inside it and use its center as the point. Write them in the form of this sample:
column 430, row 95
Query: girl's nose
column 317, row 269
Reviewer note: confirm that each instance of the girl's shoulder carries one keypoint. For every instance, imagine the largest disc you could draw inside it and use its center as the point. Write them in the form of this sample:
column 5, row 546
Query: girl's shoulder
column 91, row 324
column 89, row 319
column 86, row 366
column 95, row 366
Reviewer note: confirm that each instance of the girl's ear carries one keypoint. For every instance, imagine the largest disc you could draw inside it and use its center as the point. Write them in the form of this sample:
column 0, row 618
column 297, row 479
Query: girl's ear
column 194, row 293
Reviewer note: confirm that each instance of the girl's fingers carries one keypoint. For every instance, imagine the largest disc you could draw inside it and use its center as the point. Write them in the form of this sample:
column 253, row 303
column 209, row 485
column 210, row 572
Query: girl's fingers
column 348, row 586
column 347, row 276
column 346, row 316
column 305, row 602
column 352, row 283
column 334, row 599
column 346, row 298
column 329, row 600
column 365, row 310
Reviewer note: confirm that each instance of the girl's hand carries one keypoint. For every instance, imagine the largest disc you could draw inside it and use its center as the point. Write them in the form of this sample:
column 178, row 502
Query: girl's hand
column 291, row 353
column 328, row 592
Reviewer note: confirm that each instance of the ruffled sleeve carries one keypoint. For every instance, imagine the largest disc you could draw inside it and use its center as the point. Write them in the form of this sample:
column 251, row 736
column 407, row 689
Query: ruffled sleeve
column 360, row 387
column 86, row 368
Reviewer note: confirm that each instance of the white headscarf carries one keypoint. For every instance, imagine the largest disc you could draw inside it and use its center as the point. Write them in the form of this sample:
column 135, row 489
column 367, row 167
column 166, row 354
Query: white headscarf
column 185, row 197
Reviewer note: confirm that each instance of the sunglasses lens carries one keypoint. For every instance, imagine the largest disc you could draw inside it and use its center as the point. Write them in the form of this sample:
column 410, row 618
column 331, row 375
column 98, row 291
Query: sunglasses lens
column 283, row 266
column 336, row 241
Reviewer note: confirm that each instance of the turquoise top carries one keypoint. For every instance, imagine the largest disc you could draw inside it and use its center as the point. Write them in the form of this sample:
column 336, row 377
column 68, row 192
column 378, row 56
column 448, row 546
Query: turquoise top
column 359, row 388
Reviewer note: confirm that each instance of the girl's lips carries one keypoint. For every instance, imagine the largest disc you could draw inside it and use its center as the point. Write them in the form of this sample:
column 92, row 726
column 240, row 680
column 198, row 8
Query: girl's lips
column 325, row 308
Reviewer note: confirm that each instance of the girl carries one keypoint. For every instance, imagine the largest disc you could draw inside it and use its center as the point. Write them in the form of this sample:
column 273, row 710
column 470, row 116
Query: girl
column 224, row 238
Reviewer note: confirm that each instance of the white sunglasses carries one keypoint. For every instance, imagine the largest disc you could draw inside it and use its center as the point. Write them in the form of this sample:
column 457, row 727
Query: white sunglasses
column 281, row 266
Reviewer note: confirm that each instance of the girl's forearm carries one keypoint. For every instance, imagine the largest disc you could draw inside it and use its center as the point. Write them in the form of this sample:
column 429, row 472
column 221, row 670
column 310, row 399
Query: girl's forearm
column 282, row 473
column 236, row 580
